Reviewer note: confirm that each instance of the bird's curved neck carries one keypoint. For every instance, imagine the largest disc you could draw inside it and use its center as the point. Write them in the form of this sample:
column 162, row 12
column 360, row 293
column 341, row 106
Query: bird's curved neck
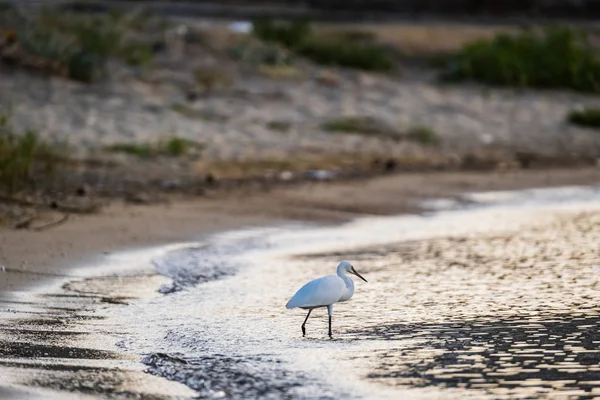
column 342, row 274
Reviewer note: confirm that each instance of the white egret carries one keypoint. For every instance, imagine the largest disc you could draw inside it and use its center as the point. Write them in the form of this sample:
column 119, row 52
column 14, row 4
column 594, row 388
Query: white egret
column 325, row 291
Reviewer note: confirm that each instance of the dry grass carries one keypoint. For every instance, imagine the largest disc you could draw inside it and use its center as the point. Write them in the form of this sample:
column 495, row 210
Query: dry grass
column 209, row 78
column 413, row 39
column 281, row 71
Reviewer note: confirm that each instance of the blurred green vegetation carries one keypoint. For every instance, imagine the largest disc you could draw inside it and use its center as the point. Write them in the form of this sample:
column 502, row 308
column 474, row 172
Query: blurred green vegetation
column 172, row 147
column 587, row 117
column 423, row 134
column 73, row 44
column 365, row 125
column 262, row 53
column 279, row 126
column 555, row 57
column 24, row 155
column 339, row 50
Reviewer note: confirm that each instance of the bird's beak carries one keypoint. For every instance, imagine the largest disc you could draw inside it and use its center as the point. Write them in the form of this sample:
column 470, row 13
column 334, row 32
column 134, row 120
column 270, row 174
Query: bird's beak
column 357, row 274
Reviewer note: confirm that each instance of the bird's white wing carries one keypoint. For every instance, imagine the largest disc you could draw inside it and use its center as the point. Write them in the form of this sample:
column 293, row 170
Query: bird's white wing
column 319, row 292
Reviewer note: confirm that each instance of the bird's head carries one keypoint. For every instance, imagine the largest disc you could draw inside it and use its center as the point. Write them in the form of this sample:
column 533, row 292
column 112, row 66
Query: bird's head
column 345, row 266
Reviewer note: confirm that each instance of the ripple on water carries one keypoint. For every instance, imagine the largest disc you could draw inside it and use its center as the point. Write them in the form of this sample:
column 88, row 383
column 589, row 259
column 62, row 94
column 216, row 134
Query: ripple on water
column 490, row 305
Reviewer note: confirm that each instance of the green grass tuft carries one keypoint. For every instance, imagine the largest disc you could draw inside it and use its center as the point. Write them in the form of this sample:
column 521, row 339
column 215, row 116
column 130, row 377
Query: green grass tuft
column 24, row 157
column 290, row 34
column 368, row 57
column 143, row 150
column 210, row 78
column 173, row 147
column 279, row 126
column 177, row 147
column 423, row 134
column 339, row 50
column 360, row 125
column 350, row 124
column 588, row 117
column 370, row 126
column 183, row 109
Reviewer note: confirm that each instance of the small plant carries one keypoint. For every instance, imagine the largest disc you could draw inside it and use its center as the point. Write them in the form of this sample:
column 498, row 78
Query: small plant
column 142, row 150
column 98, row 38
column 558, row 57
column 353, row 35
column 361, row 125
column 85, row 67
column 177, row 147
column 173, row 147
column 588, row 117
column 204, row 114
column 422, row 134
column 182, row 108
column 116, row 14
column 260, row 53
column 50, row 46
column 78, row 44
column 280, row 71
column 369, row 57
column 290, row 34
column 209, row 78
column 279, row 126
column 352, row 49
column 136, row 54
column 24, row 155
column 350, row 124
column 370, row 126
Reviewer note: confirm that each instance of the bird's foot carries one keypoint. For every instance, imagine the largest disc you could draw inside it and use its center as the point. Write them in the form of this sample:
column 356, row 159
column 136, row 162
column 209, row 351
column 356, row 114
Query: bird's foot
column 303, row 332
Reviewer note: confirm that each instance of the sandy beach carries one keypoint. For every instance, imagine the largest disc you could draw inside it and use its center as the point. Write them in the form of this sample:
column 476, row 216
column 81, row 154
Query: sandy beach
column 62, row 261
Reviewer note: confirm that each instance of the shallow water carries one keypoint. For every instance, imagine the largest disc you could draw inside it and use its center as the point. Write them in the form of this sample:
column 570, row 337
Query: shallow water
column 496, row 300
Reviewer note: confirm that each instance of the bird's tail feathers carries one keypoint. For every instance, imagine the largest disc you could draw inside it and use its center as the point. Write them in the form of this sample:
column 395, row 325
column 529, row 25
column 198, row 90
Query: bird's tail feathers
column 290, row 305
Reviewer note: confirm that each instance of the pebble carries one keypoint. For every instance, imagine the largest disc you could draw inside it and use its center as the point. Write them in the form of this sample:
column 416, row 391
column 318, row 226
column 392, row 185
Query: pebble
column 286, row 175
column 321, row 175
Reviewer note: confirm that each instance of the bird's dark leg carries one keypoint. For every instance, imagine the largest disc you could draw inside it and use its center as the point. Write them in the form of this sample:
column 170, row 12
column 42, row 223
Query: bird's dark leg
column 304, row 323
column 330, row 311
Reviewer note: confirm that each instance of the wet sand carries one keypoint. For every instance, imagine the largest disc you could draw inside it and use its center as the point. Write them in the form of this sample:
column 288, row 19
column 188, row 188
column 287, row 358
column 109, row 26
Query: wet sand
column 496, row 301
column 59, row 338
column 33, row 257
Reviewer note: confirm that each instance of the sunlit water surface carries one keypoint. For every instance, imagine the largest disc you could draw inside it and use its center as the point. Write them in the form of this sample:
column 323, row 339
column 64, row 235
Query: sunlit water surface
column 495, row 300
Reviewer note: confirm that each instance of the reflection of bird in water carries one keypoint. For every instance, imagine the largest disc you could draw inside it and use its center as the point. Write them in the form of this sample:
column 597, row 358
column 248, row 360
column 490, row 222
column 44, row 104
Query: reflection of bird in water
column 325, row 291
